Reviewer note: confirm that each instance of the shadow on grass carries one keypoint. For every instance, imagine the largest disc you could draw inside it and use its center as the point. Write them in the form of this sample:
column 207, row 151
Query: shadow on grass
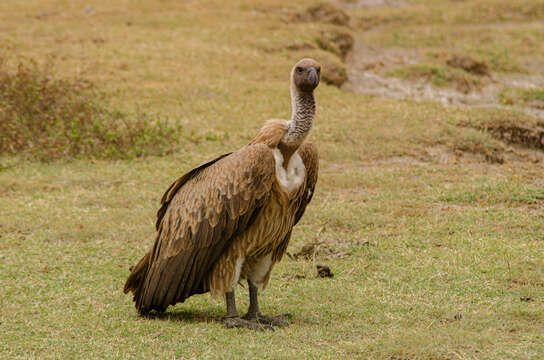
column 188, row 315
column 206, row 316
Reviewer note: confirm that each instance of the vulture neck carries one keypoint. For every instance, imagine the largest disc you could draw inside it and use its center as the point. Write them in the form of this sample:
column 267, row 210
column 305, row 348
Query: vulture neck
column 301, row 122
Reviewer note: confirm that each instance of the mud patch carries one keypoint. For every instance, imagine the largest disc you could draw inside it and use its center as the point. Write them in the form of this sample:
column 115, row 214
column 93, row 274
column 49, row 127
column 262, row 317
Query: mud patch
column 324, row 13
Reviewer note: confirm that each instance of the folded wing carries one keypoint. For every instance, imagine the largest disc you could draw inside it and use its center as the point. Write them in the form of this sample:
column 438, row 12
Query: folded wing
column 200, row 215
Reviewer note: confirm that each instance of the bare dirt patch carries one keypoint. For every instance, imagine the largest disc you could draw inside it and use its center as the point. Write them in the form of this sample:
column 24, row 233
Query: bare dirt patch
column 368, row 65
column 458, row 79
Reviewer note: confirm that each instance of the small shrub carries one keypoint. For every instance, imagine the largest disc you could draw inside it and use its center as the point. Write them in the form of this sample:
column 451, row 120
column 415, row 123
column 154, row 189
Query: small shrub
column 45, row 118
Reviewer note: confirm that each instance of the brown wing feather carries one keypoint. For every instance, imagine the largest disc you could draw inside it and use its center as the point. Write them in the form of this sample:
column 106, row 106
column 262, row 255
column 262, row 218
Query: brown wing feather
column 173, row 189
column 199, row 216
column 309, row 156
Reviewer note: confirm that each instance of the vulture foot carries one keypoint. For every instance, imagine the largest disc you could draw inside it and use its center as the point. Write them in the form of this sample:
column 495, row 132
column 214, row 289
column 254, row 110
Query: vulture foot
column 237, row 322
column 280, row 320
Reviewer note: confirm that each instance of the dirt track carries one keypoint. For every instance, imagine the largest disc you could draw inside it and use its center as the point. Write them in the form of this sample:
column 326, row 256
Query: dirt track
column 366, row 65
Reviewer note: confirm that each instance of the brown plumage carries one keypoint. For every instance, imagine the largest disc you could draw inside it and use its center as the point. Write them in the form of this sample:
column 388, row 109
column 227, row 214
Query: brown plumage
column 231, row 218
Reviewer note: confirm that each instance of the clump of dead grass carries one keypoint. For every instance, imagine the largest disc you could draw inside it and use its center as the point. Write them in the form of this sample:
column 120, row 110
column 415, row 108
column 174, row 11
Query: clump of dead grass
column 513, row 129
column 337, row 40
column 45, row 118
column 325, row 13
column 469, row 64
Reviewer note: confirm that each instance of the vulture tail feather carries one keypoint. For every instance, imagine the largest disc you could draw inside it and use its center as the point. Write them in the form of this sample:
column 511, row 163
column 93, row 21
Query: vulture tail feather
column 137, row 275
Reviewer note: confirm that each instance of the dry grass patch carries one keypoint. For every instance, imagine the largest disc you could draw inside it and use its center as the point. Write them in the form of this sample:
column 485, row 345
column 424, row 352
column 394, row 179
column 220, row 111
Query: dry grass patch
column 45, row 118
column 325, row 13
column 512, row 128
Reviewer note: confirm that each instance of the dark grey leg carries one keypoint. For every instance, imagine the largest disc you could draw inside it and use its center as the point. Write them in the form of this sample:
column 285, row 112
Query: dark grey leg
column 253, row 310
column 254, row 313
column 231, row 305
column 233, row 320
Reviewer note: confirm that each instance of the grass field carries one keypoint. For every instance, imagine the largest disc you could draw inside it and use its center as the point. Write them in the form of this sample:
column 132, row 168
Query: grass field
column 433, row 220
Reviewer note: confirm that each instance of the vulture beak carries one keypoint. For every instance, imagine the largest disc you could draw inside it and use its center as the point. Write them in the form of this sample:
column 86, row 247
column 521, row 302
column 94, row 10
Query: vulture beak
column 312, row 76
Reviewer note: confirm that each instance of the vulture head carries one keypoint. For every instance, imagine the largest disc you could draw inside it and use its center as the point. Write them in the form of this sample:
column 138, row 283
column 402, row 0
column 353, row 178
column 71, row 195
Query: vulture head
column 305, row 75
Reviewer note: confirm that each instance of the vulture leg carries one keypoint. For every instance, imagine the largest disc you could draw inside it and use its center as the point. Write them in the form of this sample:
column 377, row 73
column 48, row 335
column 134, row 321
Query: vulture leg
column 233, row 320
column 254, row 314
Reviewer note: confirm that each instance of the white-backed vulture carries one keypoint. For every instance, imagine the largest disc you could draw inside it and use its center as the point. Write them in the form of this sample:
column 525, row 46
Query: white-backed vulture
column 231, row 218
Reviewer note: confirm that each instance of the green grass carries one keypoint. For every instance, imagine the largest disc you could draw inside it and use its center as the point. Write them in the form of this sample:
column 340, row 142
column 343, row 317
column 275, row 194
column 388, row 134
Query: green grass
column 521, row 95
column 445, row 258
column 440, row 76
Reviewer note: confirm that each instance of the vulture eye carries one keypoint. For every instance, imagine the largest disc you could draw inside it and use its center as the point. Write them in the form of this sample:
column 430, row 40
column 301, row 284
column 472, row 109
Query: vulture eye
column 299, row 70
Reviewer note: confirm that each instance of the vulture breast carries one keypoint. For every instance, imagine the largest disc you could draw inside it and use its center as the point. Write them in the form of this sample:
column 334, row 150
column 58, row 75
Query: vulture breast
column 290, row 177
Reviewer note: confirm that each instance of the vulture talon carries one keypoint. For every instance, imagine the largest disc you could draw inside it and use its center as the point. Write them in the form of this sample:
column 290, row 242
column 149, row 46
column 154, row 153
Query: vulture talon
column 237, row 322
column 279, row 320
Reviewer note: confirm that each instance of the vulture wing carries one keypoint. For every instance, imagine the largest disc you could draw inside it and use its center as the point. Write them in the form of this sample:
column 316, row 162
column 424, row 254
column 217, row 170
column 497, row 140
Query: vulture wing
column 199, row 216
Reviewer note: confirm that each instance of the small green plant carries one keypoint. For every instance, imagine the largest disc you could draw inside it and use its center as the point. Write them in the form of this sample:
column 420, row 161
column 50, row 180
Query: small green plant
column 44, row 118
